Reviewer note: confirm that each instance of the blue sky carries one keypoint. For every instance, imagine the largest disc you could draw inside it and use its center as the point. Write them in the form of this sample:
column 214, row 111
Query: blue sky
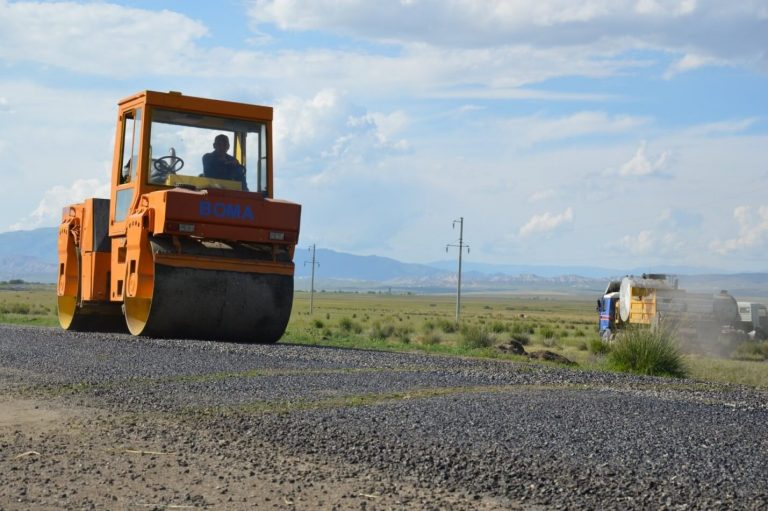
column 622, row 133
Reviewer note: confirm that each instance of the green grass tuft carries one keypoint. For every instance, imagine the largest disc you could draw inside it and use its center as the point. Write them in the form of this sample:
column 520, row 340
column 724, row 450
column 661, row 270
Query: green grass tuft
column 751, row 350
column 382, row 332
column 448, row 326
column 431, row 339
column 547, row 332
column 599, row 347
column 523, row 339
column 643, row 351
column 475, row 337
column 348, row 325
column 498, row 327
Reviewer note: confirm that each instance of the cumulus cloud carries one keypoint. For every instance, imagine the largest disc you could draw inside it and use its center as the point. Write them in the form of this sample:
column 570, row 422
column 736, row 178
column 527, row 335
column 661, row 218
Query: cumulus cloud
column 48, row 211
column 753, row 230
column 327, row 133
column 642, row 166
column 547, row 222
column 650, row 243
column 642, row 243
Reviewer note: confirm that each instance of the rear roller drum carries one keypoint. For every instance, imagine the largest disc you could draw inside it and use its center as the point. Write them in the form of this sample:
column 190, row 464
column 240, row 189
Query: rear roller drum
column 81, row 317
column 73, row 313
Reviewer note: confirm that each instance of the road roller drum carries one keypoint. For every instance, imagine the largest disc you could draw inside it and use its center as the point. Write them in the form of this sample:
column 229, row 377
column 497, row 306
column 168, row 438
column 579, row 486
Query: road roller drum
column 213, row 304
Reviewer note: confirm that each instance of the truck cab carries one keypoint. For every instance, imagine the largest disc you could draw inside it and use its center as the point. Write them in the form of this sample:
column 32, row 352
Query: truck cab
column 607, row 308
column 754, row 318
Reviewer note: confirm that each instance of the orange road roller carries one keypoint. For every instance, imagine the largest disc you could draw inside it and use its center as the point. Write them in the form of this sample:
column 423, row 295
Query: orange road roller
column 191, row 242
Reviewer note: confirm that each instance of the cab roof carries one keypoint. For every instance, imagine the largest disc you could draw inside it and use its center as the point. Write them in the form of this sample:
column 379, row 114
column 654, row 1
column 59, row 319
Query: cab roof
column 177, row 101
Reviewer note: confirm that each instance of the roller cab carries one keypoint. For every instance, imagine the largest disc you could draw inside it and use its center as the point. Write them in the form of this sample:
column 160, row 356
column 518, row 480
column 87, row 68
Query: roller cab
column 193, row 242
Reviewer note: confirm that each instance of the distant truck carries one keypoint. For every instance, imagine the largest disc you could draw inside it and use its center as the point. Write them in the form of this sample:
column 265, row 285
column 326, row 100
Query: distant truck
column 754, row 319
column 652, row 299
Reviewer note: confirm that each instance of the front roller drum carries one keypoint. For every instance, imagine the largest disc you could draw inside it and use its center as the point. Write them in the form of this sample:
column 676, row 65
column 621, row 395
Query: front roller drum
column 212, row 304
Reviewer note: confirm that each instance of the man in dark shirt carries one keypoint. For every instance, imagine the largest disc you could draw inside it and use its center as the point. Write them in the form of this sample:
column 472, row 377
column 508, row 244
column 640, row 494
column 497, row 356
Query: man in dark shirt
column 220, row 165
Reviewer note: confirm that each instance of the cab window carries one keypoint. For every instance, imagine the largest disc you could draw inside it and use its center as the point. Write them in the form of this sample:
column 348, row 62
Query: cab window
column 130, row 143
column 202, row 151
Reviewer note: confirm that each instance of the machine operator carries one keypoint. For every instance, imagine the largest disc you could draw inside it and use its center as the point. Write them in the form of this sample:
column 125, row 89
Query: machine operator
column 220, row 165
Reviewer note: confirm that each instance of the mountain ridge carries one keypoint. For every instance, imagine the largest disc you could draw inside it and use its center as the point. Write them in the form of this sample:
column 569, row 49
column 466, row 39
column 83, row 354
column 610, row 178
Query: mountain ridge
column 32, row 256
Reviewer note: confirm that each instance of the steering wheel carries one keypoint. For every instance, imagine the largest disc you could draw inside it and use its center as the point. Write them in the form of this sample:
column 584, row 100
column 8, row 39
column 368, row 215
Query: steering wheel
column 168, row 164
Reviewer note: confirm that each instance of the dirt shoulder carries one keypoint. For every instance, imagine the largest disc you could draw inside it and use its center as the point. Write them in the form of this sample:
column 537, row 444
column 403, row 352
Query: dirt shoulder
column 57, row 457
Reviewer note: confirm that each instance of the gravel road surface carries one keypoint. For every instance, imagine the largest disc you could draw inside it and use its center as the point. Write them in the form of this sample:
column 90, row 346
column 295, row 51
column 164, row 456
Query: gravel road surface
column 103, row 421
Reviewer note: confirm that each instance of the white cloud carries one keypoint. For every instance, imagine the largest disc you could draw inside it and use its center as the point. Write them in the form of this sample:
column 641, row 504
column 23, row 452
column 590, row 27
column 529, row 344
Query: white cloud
column 302, row 124
column 105, row 39
column 641, row 166
column 519, row 93
column 546, row 222
column 424, row 71
column 48, row 211
column 702, row 29
column 51, row 136
column 643, row 243
column 542, row 195
column 527, row 131
column 390, row 125
column 97, row 37
column 722, row 127
column 326, row 135
column 650, row 243
column 676, row 218
column 378, row 165
column 753, row 231
column 690, row 62
column 500, row 49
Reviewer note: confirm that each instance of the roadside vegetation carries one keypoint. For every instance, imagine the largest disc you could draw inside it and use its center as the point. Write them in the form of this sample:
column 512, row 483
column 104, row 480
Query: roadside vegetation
column 645, row 351
column 27, row 303
column 491, row 327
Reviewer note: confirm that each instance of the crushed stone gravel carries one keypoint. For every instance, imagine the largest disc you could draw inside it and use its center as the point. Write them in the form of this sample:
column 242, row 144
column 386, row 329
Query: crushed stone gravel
column 222, row 425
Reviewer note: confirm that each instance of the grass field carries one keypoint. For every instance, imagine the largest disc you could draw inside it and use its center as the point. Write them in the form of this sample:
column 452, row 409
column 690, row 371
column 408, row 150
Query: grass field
column 28, row 304
column 564, row 325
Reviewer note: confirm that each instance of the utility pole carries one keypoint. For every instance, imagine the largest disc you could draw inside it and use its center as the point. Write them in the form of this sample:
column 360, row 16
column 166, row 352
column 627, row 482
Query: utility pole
column 312, row 282
column 461, row 246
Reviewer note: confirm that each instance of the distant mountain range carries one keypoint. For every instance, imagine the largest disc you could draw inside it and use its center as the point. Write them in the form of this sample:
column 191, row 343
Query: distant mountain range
column 32, row 256
column 29, row 255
